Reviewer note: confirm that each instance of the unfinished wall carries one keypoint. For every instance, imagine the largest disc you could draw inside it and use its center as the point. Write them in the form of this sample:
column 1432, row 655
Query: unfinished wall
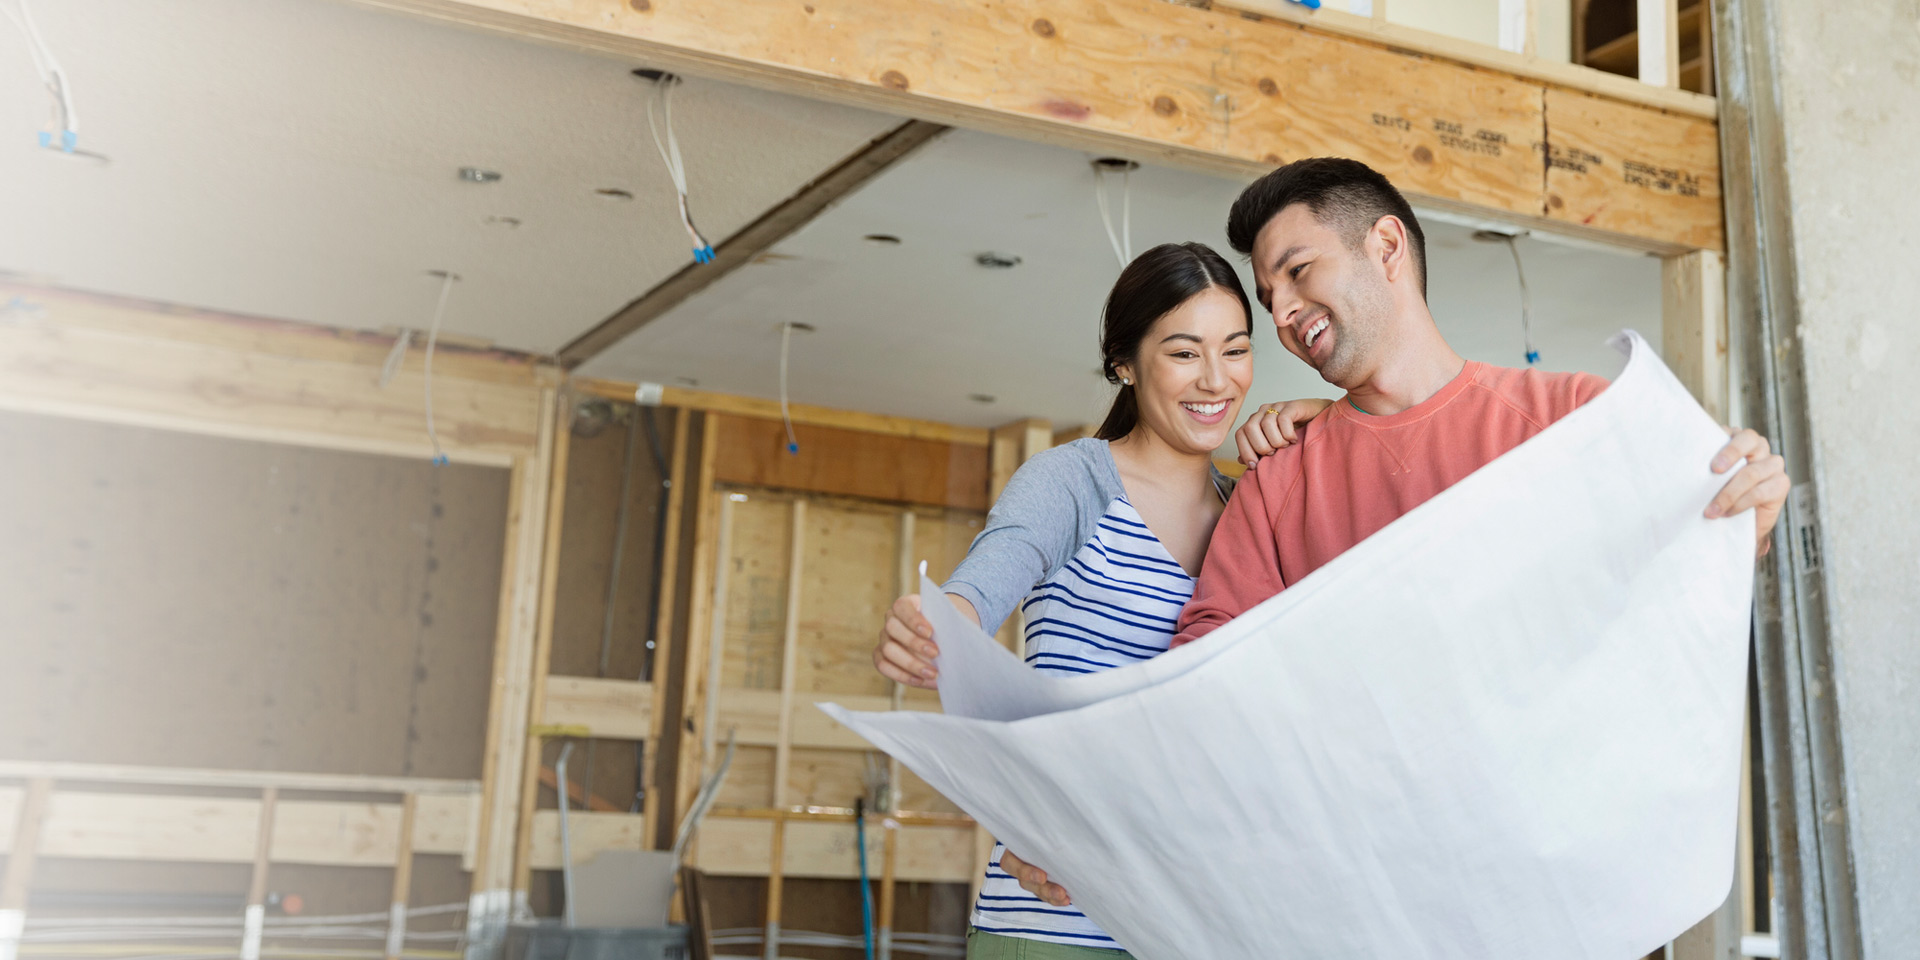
column 1850, row 91
column 179, row 600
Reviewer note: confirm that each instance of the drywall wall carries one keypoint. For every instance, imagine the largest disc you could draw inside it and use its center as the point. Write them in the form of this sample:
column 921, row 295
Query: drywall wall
column 1850, row 95
column 169, row 599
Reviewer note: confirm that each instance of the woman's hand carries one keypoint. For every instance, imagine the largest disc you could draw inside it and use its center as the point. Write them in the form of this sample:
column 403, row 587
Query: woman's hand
column 1273, row 427
column 1034, row 880
column 906, row 650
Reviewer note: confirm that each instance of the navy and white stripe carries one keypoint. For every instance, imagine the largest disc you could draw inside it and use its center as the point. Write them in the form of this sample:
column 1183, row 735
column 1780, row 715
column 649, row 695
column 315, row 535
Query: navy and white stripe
column 1115, row 602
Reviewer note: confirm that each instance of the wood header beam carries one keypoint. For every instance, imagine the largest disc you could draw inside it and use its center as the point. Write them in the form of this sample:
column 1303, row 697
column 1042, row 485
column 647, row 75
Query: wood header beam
column 1228, row 91
column 754, row 239
column 760, row 408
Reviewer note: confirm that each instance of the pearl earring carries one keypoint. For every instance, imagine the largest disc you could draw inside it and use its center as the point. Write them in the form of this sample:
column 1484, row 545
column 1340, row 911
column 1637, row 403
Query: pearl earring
column 1125, row 382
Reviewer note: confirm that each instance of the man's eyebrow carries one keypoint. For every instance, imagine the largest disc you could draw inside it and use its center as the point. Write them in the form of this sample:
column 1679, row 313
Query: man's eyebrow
column 1293, row 251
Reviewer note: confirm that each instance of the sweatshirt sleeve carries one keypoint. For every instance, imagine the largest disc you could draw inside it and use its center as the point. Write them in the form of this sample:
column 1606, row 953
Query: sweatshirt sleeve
column 1030, row 533
column 1242, row 566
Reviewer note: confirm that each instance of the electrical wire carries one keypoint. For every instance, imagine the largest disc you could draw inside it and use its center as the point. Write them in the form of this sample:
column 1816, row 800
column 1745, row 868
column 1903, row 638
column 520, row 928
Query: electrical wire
column 1122, row 240
column 786, row 344
column 670, row 155
column 447, row 279
column 1526, row 303
column 64, row 119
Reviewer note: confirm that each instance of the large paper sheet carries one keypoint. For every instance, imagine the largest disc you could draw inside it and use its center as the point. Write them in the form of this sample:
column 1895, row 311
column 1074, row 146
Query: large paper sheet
column 1506, row 726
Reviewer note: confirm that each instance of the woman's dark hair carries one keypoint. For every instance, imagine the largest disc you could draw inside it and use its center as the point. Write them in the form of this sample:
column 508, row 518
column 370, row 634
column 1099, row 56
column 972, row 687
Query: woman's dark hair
column 1153, row 285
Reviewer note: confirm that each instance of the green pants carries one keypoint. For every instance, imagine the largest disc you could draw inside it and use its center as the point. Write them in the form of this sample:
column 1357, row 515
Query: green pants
column 992, row 946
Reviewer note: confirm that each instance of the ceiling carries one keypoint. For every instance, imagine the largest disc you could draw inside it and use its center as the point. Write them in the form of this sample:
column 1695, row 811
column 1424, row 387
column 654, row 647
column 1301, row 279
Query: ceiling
column 916, row 329
column 298, row 159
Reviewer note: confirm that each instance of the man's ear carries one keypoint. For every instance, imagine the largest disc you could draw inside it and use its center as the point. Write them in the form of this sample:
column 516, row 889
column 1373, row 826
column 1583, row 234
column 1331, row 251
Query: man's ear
column 1389, row 244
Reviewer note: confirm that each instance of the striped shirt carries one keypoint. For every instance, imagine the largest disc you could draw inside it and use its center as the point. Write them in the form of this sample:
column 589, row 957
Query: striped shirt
column 1101, row 591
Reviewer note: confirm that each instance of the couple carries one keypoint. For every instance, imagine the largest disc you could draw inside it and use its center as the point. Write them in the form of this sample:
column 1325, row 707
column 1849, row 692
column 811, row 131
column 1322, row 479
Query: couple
column 1101, row 536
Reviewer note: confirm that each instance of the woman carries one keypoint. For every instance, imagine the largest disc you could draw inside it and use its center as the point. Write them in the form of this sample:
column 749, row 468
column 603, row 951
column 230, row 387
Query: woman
column 1104, row 536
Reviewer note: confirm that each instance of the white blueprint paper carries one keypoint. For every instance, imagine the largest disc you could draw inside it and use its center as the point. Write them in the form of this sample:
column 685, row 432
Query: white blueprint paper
column 1506, row 726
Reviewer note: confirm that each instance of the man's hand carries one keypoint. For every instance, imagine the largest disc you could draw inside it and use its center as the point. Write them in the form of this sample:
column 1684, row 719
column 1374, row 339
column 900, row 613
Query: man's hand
column 906, row 650
column 1274, row 426
column 1034, row 880
column 1761, row 485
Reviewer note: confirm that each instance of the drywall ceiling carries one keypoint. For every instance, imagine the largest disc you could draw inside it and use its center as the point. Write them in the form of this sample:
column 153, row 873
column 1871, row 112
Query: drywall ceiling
column 298, row 158
column 918, row 328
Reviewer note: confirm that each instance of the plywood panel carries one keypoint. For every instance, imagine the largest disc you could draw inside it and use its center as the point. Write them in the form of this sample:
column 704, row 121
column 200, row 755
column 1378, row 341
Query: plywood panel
column 1624, row 169
column 756, row 590
column 851, row 463
column 848, row 580
column 832, row 778
column 750, row 780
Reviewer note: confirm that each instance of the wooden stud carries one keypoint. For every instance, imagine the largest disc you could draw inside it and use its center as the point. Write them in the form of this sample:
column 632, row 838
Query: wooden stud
column 556, row 508
column 717, row 638
column 1658, row 27
column 657, row 798
column 256, row 915
column 508, row 713
column 802, row 413
column 21, row 856
column 1693, row 326
column 776, row 875
column 783, row 749
column 1203, row 105
column 703, row 609
column 402, row 879
column 754, row 239
column 238, row 779
column 1012, row 445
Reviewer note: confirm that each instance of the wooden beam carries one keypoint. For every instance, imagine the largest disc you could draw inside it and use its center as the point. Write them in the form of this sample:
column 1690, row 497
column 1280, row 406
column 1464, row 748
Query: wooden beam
column 70, row 354
column 739, row 847
column 241, row 779
column 508, row 714
column 595, row 707
column 1693, row 326
column 763, row 409
column 851, row 463
column 705, row 626
column 1214, row 90
column 577, row 794
column 1012, row 445
column 813, row 199
column 556, row 509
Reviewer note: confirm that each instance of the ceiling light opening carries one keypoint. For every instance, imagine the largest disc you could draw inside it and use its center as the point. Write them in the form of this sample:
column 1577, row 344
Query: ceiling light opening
column 478, row 175
column 997, row 261
column 982, row 397
column 882, row 239
column 613, row 193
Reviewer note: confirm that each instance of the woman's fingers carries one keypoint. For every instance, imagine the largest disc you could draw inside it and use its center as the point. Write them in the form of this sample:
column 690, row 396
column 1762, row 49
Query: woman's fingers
column 906, row 650
column 1034, row 880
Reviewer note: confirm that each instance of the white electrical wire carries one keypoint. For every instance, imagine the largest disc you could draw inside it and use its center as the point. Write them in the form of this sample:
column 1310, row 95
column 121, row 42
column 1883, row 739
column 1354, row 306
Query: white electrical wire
column 1526, row 303
column 64, row 120
column 786, row 343
column 433, row 335
column 676, row 167
column 1122, row 240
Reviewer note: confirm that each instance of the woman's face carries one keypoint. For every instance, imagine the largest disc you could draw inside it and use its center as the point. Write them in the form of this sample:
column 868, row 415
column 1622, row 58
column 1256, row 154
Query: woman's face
column 1193, row 369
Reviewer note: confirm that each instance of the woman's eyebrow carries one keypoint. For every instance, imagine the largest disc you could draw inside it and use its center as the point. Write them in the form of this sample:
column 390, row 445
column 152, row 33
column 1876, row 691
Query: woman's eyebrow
column 1182, row 336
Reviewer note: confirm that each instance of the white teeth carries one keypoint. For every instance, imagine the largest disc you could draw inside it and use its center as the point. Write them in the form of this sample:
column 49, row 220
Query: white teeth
column 1206, row 409
column 1314, row 332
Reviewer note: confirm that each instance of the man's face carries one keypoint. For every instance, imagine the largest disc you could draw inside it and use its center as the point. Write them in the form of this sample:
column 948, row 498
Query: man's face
column 1330, row 302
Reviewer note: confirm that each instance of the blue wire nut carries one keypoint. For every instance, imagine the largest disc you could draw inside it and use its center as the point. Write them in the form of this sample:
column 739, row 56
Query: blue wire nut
column 1309, row 4
column 703, row 253
column 1533, row 357
column 68, row 140
column 439, row 459
column 793, row 448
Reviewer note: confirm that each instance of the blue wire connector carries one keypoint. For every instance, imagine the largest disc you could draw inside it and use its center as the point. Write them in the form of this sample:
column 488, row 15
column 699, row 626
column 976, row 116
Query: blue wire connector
column 68, row 140
column 703, row 253
column 1309, row 4
column 793, row 448
column 1533, row 357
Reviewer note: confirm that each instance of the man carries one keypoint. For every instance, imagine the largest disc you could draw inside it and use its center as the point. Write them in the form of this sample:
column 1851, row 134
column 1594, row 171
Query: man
column 1339, row 260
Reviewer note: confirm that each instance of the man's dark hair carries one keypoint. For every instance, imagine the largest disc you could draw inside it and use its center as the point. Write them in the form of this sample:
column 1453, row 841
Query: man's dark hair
column 1346, row 195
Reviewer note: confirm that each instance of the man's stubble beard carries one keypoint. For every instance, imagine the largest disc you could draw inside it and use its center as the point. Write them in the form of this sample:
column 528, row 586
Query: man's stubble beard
column 1357, row 326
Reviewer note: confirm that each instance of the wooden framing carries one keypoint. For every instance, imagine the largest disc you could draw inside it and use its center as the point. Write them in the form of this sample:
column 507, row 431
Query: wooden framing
column 1228, row 91
column 762, row 409
column 656, row 795
column 119, row 360
column 549, row 566
column 755, row 238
